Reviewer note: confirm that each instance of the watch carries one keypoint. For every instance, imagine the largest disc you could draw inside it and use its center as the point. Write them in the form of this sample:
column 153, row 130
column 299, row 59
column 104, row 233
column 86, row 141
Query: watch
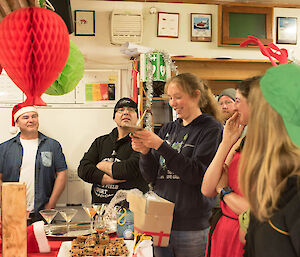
column 225, row 191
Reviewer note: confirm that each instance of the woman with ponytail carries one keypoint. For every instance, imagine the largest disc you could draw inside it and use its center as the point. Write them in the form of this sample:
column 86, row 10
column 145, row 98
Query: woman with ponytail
column 175, row 160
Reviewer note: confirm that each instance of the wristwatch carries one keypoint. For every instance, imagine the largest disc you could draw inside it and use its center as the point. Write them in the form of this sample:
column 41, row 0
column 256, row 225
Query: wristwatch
column 225, row 191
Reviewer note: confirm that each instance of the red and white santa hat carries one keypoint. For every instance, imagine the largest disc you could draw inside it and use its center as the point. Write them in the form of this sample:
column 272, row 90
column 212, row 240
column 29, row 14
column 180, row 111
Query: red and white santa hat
column 37, row 241
column 17, row 111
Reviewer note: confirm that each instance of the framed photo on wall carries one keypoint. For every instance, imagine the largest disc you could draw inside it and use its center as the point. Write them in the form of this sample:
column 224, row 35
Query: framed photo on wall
column 286, row 30
column 84, row 23
column 201, row 27
column 168, row 24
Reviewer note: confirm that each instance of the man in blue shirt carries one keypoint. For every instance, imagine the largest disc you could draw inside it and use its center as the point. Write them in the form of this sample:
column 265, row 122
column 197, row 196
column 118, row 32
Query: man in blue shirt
column 34, row 159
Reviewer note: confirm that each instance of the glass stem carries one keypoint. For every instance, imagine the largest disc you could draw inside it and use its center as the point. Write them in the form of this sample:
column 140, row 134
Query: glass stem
column 49, row 229
column 68, row 227
column 91, row 224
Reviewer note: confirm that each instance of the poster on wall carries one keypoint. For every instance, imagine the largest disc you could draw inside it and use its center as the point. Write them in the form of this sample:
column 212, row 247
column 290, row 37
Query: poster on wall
column 84, row 23
column 99, row 88
column 99, row 92
column 201, row 29
column 286, row 30
column 168, row 24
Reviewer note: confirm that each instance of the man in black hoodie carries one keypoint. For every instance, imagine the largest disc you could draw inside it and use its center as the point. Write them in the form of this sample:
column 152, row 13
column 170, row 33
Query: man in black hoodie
column 110, row 164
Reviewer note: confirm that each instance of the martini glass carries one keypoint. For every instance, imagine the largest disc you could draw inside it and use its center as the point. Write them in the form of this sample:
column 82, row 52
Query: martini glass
column 89, row 209
column 48, row 215
column 68, row 215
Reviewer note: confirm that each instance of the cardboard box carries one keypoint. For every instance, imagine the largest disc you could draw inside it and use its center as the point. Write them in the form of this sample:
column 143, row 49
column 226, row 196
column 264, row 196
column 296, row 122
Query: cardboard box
column 152, row 217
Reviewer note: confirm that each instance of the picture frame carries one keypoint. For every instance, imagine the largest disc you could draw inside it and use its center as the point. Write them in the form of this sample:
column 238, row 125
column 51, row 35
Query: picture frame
column 168, row 24
column 286, row 30
column 236, row 23
column 84, row 22
column 201, row 27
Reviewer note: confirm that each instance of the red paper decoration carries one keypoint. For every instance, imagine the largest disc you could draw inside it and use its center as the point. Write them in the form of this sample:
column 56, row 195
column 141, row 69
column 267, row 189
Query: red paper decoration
column 34, row 47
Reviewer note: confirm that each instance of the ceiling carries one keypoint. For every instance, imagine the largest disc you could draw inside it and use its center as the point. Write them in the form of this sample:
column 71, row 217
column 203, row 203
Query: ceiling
column 8, row 6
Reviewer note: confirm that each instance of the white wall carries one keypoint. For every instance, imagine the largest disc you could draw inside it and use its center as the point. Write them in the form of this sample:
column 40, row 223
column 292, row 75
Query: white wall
column 98, row 51
column 76, row 128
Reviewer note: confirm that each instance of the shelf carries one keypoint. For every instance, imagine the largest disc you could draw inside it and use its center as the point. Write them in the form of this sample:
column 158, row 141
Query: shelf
column 222, row 69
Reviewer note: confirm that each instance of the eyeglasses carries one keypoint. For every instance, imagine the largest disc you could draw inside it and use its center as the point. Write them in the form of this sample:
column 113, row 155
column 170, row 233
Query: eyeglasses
column 128, row 109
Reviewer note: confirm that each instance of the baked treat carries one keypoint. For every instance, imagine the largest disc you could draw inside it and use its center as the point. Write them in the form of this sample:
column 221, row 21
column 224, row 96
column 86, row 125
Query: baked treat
column 92, row 245
column 104, row 239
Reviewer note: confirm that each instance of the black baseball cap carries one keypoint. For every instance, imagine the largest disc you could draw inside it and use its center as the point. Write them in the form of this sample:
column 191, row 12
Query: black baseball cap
column 125, row 102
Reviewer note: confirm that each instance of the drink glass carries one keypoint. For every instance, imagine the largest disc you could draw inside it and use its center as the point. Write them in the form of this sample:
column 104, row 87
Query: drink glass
column 89, row 209
column 48, row 215
column 68, row 215
column 101, row 226
column 100, row 208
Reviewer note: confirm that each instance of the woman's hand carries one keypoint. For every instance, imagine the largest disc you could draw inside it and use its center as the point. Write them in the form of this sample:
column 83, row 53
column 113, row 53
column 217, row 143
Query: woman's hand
column 147, row 138
column 137, row 145
column 233, row 129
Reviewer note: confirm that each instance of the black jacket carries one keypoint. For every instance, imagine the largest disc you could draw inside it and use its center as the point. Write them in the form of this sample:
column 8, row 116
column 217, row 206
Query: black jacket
column 263, row 240
column 125, row 166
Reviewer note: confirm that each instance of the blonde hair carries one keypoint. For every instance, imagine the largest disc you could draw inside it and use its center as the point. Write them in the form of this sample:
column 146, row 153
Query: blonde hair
column 189, row 84
column 269, row 157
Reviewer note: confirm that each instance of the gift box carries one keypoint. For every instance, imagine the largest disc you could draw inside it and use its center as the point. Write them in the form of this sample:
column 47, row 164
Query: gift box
column 152, row 217
column 161, row 72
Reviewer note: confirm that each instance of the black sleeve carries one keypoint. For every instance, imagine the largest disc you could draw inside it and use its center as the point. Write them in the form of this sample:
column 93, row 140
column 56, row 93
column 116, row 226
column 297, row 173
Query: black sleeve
column 149, row 166
column 87, row 169
column 127, row 169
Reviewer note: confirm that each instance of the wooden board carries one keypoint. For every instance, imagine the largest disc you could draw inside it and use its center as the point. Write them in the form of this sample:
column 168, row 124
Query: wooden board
column 14, row 227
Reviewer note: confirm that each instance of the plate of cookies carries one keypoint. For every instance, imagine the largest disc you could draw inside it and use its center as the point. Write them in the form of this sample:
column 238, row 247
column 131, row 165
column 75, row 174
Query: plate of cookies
column 96, row 245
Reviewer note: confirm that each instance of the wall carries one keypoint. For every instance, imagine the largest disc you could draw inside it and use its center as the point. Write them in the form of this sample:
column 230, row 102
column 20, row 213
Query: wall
column 99, row 51
column 76, row 128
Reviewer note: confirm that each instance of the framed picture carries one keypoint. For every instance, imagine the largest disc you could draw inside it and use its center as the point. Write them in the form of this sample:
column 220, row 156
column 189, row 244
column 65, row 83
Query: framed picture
column 84, row 23
column 201, row 29
column 237, row 22
column 168, row 24
column 286, row 30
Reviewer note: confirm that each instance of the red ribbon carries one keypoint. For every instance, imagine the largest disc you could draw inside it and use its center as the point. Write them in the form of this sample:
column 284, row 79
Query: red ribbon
column 160, row 234
column 134, row 81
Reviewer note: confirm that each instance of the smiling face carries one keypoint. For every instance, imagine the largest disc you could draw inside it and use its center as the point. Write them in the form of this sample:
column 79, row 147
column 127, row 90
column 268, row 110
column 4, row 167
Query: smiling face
column 242, row 107
column 227, row 106
column 186, row 107
column 28, row 123
column 126, row 116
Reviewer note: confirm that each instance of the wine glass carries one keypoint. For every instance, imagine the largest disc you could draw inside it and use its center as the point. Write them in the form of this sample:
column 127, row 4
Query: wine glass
column 68, row 215
column 48, row 215
column 101, row 226
column 89, row 209
column 100, row 208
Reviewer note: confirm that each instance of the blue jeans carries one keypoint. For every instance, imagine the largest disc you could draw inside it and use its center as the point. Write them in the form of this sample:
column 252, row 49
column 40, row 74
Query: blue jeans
column 184, row 244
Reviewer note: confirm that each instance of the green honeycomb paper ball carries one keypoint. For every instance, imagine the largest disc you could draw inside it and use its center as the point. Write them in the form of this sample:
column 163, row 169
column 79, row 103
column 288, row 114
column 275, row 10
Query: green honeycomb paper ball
column 70, row 75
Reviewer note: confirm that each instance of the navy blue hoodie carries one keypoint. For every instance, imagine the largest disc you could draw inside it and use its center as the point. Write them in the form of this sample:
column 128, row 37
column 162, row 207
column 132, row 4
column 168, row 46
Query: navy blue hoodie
column 177, row 168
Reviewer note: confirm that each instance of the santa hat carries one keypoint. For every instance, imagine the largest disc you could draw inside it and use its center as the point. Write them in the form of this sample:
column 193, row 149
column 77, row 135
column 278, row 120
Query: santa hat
column 17, row 111
column 37, row 241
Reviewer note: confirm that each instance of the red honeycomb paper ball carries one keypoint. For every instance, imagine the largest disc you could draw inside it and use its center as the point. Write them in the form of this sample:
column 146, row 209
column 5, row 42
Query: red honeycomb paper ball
column 34, row 47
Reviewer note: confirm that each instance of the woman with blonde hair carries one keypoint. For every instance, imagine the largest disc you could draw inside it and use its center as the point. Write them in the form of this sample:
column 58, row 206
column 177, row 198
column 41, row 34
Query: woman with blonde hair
column 175, row 161
column 270, row 165
column 221, row 178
